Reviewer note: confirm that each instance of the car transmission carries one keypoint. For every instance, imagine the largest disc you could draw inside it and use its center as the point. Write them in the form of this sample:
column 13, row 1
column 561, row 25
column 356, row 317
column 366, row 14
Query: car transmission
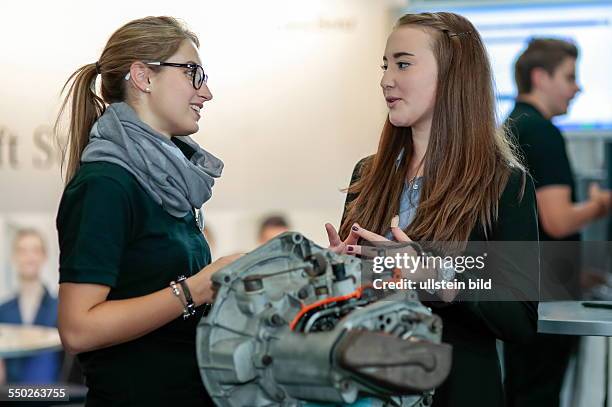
column 293, row 323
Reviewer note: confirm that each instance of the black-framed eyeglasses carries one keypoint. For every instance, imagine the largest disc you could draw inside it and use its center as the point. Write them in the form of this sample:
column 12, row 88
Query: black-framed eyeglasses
column 196, row 71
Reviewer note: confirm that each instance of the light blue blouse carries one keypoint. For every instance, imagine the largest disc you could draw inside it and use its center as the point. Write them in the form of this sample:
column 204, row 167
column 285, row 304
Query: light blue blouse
column 409, row 201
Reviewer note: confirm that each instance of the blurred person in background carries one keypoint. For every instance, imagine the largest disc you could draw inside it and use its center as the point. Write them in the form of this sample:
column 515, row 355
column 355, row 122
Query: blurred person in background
column 545, row 75
column 33, row 305
column 270, row 227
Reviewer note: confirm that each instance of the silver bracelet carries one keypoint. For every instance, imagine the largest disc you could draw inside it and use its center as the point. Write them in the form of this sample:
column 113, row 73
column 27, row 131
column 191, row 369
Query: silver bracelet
column 177, row 294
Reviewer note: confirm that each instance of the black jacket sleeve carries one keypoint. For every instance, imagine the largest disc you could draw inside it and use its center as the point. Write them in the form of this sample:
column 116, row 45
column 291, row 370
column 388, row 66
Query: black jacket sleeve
column 354, row 177
column 510, row 310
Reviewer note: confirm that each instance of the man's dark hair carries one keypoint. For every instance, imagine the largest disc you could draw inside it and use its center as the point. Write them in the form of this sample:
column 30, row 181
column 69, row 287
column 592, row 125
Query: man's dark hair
column 545, row 53
column 273, row 221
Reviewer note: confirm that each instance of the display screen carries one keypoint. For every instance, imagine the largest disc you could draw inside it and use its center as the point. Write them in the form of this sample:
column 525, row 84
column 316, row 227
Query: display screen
column 507, row 28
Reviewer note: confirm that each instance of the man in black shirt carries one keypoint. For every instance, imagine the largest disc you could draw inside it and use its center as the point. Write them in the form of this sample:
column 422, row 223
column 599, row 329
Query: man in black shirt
column 545, row 75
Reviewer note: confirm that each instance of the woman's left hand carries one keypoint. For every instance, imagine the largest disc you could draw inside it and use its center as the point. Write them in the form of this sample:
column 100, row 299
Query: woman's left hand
column 390, row 248
column 397, row 232
column 419, row 274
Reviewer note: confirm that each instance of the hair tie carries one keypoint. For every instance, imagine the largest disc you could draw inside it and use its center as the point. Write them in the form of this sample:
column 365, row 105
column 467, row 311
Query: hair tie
column 98, row 68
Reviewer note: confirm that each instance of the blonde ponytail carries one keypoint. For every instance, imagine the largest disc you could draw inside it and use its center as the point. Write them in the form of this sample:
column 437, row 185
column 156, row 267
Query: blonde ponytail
column 85, row 108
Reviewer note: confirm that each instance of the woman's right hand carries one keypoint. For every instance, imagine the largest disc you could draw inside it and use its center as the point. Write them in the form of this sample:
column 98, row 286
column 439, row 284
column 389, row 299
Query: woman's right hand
column 200, row 284
column 602, row 197
column 336, row 245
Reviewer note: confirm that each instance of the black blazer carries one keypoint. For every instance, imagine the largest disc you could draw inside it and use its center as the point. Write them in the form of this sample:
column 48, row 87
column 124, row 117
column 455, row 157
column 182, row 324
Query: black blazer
column 472, row 327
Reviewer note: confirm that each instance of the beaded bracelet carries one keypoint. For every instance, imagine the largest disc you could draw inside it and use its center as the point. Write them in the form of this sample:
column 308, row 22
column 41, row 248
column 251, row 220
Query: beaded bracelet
column 190, row 308
column 177, row 294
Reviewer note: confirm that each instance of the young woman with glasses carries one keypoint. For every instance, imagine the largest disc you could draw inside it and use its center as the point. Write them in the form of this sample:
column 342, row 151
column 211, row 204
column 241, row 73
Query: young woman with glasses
column 134, row 265
column 443, row 173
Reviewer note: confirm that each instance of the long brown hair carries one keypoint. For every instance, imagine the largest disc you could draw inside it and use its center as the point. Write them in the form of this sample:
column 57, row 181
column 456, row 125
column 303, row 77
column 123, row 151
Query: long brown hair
column 467, row 162
column 145, row 39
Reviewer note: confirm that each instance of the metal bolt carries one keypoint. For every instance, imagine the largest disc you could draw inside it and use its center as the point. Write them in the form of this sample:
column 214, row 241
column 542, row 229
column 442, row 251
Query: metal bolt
column 435, row 326
column 345, row 385
column 267, row 360
column 303, row 293
column 276, row 320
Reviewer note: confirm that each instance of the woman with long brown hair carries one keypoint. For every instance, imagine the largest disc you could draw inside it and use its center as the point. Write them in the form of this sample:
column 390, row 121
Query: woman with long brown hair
column 134, row 265
column 444, row 173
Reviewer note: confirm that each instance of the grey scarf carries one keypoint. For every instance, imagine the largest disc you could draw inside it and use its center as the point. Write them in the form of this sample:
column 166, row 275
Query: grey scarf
column 176, row 183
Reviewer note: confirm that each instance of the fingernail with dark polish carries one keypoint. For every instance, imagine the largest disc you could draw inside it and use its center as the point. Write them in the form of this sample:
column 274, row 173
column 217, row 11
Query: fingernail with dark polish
column 355, row 228
column 349, row 249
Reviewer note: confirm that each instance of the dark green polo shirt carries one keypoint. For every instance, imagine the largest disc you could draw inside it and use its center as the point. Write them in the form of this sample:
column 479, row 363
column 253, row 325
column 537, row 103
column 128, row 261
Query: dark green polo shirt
column 112, row 233
column 544, row 153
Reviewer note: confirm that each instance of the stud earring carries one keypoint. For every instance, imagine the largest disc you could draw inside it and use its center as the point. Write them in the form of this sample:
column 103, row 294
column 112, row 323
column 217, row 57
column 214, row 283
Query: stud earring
column 148, row 90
